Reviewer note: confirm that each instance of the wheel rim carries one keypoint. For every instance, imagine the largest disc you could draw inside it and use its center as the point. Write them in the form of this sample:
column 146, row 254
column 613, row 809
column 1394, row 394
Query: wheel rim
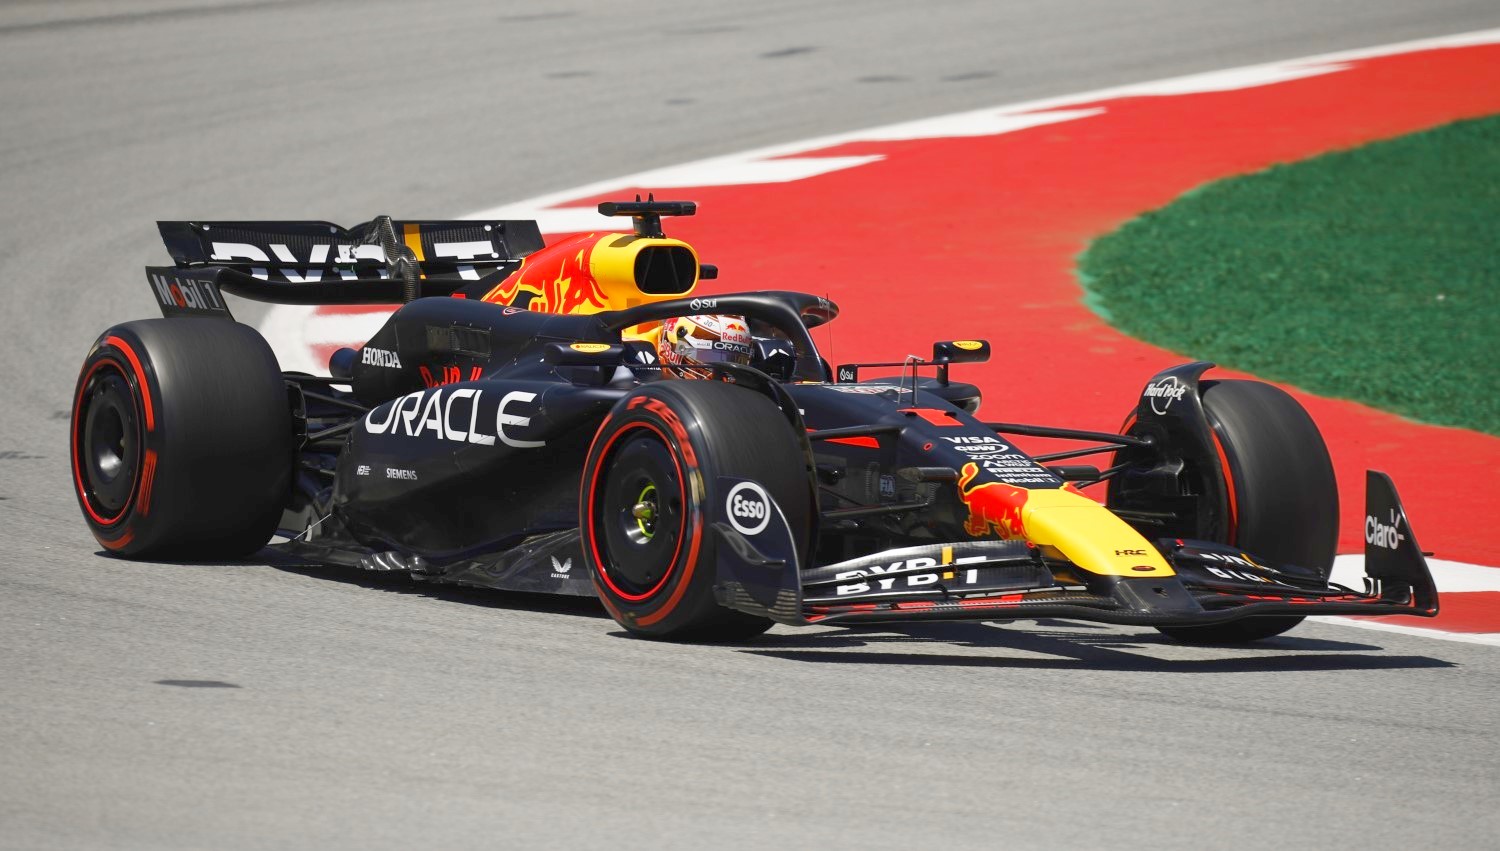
column 639, row 513
column 106, row 451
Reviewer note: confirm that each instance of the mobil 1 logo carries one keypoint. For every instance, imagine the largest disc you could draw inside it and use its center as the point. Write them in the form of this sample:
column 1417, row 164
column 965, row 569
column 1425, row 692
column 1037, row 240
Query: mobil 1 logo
column 181, row 296
column 748, row 507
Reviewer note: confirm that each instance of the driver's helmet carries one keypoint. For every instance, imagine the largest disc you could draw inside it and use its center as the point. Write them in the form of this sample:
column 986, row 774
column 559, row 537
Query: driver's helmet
column 700, row 340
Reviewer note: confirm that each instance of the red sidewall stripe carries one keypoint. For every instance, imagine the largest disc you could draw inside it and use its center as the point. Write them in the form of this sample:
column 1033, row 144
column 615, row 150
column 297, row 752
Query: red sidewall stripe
column 599, row 562
column 140, row 374
column 78, row 477
column 1233, row 532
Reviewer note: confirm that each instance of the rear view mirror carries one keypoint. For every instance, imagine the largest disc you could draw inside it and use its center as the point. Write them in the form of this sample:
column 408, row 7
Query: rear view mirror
column 582, row 354
column 961, row 351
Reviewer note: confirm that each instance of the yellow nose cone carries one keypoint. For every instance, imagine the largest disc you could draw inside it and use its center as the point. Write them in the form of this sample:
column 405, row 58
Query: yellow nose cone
column 1089, row 536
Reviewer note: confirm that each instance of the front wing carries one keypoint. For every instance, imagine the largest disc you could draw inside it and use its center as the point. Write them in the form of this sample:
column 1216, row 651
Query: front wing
column 758, row 573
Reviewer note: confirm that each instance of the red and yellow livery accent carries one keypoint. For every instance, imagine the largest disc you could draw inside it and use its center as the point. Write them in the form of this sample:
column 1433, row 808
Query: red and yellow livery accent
column 1063, row 520
column 594, row 272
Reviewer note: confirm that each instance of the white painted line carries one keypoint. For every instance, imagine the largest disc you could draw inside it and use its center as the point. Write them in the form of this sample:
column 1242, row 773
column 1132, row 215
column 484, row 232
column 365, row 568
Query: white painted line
column 734, row 170
column 1491, row 638
column 286, row 328
column 741, row 171
column 1233, row 79
column 1450, row 576
column 293, row 329
column 991, row 122
column 777, row 164
column 985, row 121
column 343, row 328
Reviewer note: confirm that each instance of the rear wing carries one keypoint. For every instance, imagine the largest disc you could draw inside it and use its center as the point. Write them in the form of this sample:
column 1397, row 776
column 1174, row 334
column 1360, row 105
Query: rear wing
column 379, row 262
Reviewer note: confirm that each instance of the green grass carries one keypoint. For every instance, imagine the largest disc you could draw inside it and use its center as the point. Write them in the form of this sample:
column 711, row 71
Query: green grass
column 1371, row 274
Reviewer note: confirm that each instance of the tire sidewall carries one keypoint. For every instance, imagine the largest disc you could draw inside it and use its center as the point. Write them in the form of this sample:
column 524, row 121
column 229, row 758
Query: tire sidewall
column 115, row 530
column 1279, row 498
column 677, row 600
column 215, row 444
column 690, row 417
column 1278, row 474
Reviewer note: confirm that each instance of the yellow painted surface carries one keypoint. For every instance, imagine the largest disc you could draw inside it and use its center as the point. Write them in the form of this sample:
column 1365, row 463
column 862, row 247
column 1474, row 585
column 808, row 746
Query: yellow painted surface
column 1088, row 535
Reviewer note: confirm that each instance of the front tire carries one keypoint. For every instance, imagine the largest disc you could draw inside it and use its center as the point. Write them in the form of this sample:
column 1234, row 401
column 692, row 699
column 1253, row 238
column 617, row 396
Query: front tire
column 649, row 480
column 181, row 439
column 1281, row 498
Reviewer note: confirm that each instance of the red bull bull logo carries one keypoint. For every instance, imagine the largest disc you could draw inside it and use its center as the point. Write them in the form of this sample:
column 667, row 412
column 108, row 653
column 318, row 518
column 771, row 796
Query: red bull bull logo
column 992, row 506
column 558, row 279
column 737, row 332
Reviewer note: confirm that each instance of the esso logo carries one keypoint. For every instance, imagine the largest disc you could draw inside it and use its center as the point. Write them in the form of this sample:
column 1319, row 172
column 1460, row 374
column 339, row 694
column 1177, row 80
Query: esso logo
column 749, row 508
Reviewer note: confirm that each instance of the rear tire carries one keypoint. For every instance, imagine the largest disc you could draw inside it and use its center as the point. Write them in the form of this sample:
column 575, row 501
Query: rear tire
column 181, row 442
column 664, row 447
column 1282, row 503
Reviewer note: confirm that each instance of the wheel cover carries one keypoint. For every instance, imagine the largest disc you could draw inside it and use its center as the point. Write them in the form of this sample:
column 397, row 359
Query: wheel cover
column 638, row 512
column 106, row 448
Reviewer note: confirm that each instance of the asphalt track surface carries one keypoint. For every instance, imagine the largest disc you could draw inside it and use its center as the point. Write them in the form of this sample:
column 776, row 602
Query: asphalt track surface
column 253, row 705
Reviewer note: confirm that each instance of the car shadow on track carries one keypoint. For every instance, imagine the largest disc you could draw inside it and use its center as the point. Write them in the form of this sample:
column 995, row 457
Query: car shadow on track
column 1067, row 645
column 401, row 583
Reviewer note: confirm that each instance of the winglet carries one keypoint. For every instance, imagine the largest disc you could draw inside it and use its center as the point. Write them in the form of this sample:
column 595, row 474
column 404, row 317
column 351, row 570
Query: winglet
column 1391, row 552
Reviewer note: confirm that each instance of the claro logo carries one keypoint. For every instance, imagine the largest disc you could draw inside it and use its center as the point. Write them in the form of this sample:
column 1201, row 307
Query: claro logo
column 1383, row 535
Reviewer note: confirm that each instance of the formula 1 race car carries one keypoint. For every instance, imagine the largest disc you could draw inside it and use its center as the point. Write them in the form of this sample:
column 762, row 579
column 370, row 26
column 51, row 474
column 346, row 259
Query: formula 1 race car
column 512, row 426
